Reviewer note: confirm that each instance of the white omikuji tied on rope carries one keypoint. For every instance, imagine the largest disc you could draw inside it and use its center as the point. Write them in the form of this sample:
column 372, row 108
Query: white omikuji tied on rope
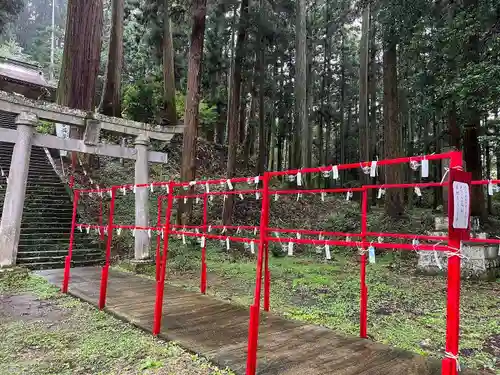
column 149, row 233
column 380, row 193
column 80, row 228
column 238, row 230
column 276, row 197
column 88, row 230
column 257, row 195
column 151, row 187
column 3, row 173
column 110, row 193
column 299, row 178
column 252, row 247
column 323, row 194
column 223, row 230
column 192, row 183
column 241, row 196
column 183, row 239
column 202, row 242
column 256, row 180
column 348, row 239
column 229, row 184
column 255, row 231
column 424, row 171
column 197, row 200
column 168, row 189
column 228, row 244
column 348, row 195
column 380, row 239
column 371, row 254
column 328, row 255
column 91, row 181
column 133, row 232
column 207, row 188
column 335, row 172
column 225, row 197
column 290, row 248
column 118, row 231
column 209, row 228
column 298, row 236
column 299, row 195
column 373, row 169
column 418, row 191
column 185, row 200
column 134, row 189
column 490, row 188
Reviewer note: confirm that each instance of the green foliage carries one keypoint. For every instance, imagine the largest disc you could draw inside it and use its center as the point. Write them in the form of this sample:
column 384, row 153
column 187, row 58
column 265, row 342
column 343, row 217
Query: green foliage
column 8, row 12
column 143, row 101
column 12, row 50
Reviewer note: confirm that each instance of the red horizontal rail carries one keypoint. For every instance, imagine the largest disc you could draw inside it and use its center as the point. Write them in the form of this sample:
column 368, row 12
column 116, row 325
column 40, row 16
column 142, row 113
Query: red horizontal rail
column 216, row 237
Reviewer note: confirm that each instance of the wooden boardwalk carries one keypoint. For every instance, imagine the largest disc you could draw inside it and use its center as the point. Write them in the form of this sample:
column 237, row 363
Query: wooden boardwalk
column 218, row 330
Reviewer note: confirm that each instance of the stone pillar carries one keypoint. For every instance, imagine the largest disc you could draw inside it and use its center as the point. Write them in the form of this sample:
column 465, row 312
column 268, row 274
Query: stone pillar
column 10, row 227
column 141, row 198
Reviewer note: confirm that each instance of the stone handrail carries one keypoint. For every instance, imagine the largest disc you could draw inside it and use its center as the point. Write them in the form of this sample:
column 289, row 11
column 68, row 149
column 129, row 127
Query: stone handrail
column 64, row 115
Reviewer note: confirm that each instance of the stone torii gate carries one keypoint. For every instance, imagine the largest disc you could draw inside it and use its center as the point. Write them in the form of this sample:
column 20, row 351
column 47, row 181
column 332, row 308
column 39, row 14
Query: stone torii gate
column 29, row 112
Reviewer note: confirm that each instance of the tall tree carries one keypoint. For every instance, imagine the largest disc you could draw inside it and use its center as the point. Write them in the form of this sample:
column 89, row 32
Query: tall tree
column 168, row 68
column 364, row 126
column 234, row 100
column 81, row 57
column 394, row 204
column 8, row 11
column 111, row 97
column 301, row 128
column 191, row 111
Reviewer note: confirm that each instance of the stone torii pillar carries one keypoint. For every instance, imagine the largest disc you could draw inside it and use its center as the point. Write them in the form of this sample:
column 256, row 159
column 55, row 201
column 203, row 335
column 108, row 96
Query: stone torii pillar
column 142, row 240
column 10, row 226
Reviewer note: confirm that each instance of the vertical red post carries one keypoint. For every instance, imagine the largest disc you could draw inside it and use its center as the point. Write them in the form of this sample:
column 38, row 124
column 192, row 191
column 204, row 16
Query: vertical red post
column 267, row 278
column 450, row 365
column 67, row 263
column 203, row 281
column 253, row 329
column 105, row 269
column 158, row 239
column 160, row 284
column 363, row 308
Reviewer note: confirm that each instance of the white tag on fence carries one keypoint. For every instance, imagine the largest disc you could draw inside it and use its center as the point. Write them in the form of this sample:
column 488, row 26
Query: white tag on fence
column 228, row 246
column 133, row 232
column 490, row 188
column 241, row 196
column 88, row 230
column 335, row 172
column 252, row 247
column 299, row 178
column 202, row 243
column 257, row 195
column 298, row 236
column 119, row 231
column 373, row 169
column 149, row 233
column 207, row 188
column 418, row 191
column 229, row 184
column 323, row 196
column 183, row 239
column 371, row 254
column 328, row 255
column 425, row 168
column 290, row 248
column 256, row 180
column 379, row 195
column 152, row 188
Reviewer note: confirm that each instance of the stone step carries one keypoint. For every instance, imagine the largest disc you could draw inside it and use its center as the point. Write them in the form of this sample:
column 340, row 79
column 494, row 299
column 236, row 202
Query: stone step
column 54, row 265
column 62, row 252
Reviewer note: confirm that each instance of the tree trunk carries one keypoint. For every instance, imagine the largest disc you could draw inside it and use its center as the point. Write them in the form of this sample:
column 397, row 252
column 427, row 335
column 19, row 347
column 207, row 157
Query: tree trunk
column 372, row 83
column 301, row 128
column 364, row 125
column 168, row 68
column 261, row 162
column 392, row 131
column 111, row 98
column 342, row 129
column 191, row 112
column 235, row 105
column 81, row 57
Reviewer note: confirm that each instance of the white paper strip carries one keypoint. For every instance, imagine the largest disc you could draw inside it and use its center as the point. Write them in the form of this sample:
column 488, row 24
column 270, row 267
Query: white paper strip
column 425, row 168
column 373, row 169
column 290, row 248
column 328, row 255
column 335, row 172
column 229, row 184
column 228, row 246
column 252, row 247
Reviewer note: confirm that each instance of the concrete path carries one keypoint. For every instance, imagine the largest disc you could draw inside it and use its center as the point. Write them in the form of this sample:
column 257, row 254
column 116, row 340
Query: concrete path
column 218, row 330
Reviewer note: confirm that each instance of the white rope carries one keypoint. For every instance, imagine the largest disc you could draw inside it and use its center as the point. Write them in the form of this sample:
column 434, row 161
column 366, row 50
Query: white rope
column 455, row 357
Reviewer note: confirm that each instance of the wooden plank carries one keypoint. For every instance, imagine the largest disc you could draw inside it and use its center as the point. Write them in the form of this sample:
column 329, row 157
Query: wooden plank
column 218, row 330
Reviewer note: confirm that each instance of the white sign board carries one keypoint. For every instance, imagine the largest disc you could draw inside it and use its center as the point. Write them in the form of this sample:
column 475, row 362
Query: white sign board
column 62, row 131
column 461, row 205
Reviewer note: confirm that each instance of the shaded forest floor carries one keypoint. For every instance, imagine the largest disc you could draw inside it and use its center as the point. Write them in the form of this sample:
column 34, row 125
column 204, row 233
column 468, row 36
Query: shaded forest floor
column 405, row 310
column 45, row 332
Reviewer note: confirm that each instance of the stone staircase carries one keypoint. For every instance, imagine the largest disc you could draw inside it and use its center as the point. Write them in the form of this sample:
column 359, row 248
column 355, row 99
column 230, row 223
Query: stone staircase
column 47, row 214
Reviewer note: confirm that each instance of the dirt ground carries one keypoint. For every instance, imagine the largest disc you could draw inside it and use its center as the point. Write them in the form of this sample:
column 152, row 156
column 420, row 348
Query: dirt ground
column 43, row 332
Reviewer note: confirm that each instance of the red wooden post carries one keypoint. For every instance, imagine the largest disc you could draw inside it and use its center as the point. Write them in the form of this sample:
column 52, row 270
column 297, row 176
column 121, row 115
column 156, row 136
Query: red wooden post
column 363, row 308
column 158, row 239
column 203, row 282
column 67, row 263
column 160, row 284
column 253, row 329
column 267, row 278
column 450, row 363
column 105, row 269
